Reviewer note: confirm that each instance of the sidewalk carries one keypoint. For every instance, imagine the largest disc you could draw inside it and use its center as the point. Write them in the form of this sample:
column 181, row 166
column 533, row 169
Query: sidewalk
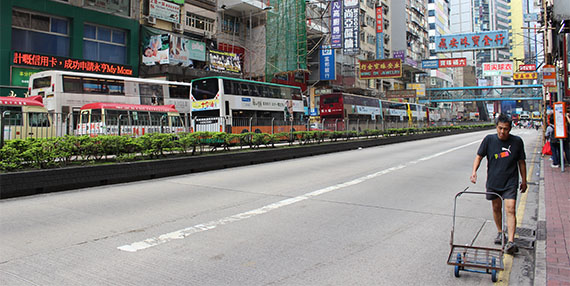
column 557, row 206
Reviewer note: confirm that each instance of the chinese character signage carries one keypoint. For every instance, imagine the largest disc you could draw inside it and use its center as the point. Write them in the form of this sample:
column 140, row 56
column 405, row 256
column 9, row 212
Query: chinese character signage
column 430, row 64
column 387, row 68
column 350, row 27
column 525, row 75
column 62, row 63
column 419, row 87
column 326, row 63
column 530, row 68
column 403, row 93
column 498, row 69
column 336, row 27
column 21, row 76
column 452, row 63
column 549, row 75
column 164, row 10
column 224, row 61
column 400, row 54
column 379, row 22
column 472, row 41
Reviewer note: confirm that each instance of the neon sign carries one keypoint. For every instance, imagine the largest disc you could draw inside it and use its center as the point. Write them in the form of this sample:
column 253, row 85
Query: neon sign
column 68, row 64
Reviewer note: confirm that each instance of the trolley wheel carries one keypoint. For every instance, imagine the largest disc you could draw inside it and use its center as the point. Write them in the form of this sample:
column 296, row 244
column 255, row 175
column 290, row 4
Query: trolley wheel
column 457, row 266
column 494, row 272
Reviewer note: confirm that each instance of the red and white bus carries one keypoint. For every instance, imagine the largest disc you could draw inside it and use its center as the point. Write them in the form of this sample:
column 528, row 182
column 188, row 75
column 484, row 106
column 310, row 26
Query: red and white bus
column 105, row 118
column 25, row 117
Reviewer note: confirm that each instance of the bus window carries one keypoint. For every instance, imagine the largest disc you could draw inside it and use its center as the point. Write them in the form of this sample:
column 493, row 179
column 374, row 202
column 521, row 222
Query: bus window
column 296, row 93
column 140, row 117
column 42, row 82
column 245, row 89
column 179, row 91
column 72, row 84
column 156, row 117
column 265, row 92
column 176, row 121
column 38, row 119
column 205, row 89
column 15, row 116
column 85, row 116
column 112, row 117
column 330, row 100
column 228, row 87
column 255, row 90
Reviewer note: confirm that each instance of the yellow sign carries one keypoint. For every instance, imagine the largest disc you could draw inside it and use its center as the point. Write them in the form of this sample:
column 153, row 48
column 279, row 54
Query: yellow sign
column 525, row 75
column 206, row 104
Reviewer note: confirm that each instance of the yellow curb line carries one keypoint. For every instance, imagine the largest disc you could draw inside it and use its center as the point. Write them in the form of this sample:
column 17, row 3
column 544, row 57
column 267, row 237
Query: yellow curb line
column 505, row 275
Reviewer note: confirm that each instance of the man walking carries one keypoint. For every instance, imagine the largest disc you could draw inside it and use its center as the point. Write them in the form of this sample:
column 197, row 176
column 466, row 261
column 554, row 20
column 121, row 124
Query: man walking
column 505, row 160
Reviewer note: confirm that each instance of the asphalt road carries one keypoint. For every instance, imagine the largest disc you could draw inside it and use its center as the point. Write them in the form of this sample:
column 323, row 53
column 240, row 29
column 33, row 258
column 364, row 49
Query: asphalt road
column 373, row 216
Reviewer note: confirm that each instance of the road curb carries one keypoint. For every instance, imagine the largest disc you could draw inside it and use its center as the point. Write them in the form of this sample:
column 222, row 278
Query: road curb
column 540, row 252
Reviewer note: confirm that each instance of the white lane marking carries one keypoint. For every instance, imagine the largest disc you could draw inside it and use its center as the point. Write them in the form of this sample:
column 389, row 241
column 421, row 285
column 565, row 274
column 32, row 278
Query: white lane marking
column 182, row 233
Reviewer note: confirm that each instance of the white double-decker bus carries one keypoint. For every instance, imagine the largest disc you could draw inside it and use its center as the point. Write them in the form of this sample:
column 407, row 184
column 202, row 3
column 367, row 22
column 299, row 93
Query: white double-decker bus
column 64, row 93
column 235, row 106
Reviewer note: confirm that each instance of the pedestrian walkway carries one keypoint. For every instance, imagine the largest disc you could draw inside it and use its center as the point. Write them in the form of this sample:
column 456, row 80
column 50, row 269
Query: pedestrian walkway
column 557, row 205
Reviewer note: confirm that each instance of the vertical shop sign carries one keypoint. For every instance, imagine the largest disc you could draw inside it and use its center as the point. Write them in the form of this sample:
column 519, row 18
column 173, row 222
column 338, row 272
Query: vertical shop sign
column 379, row 34
column 351, row 27
column 336, row 27
column 326, row 63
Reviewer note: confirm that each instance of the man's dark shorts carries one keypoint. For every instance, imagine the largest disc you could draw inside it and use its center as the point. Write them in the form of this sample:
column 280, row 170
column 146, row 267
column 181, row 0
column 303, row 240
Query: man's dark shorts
column 510, row 193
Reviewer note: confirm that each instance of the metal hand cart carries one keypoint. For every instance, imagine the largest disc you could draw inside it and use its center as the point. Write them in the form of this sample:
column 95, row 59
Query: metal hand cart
column 476, row 259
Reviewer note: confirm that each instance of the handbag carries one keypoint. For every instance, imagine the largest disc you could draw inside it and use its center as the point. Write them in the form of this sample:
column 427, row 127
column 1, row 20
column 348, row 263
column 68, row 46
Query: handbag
column 546, row 149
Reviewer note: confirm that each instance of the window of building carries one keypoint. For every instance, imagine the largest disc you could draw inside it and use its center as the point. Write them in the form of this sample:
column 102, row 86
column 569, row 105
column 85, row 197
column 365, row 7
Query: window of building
column 38, row 33
column 104, row 44
column 199, row 22
column 231, row 25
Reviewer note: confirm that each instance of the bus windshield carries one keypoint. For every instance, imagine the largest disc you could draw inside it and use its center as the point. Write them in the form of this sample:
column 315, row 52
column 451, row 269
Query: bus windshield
column 205, row 88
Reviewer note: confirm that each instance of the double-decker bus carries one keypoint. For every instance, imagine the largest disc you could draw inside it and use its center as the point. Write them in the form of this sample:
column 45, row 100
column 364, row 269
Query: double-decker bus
column 66, row 92
column 236, row 106
column 340, row 110
column 25, row 117
column 104, row 118
column 337, row 110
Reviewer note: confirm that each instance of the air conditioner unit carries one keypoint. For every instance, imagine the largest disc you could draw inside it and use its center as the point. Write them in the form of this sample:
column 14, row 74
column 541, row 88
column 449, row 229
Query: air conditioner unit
column 151, row 20
column 178, row 27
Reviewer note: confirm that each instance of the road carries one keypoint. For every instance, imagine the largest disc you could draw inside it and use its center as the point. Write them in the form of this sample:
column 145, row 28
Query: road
column 372, row 216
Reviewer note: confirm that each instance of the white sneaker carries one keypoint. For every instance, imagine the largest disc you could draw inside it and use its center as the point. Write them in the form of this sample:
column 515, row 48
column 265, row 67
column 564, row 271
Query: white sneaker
column 554, row 166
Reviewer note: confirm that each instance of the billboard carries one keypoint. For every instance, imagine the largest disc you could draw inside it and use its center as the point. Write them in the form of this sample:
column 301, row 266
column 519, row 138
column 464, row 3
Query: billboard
column 164, row 10
column 525, row 75
column 402, row 93
column 430, row 64
column 224, row 61
column 351, row 27
column 498, row 39
column 379, row 22
column 384, row 68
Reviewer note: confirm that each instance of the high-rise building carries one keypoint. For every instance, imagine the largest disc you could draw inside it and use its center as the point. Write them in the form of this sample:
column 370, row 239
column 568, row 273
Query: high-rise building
column 438, row 25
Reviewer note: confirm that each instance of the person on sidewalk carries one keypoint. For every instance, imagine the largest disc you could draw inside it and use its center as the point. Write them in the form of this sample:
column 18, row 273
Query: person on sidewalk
column 554, row 142
column 505, row 160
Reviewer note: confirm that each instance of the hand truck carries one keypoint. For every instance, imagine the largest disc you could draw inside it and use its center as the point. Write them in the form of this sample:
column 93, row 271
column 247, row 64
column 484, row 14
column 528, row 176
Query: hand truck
column 477, row 259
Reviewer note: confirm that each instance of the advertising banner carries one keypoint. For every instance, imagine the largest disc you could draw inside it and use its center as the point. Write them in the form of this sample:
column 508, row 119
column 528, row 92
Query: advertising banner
column 197, row 51
column 326, row 63
column 156, row 49
column 68, row 64
column 336, row 27
column 430, row 64
column 179, row 51
column 386, row 68
column 164, row 10
column 224, row 61
column 351, row 27
column 21, row 76
column 403, row 93
column 400, row 54
column 498, row 69
column 472, row 41
column 379, row 46
column 452, row 63
column 525, row 75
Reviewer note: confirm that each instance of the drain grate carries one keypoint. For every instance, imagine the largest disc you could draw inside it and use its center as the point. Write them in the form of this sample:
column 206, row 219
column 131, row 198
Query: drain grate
column 523, row 242
column 522, row 231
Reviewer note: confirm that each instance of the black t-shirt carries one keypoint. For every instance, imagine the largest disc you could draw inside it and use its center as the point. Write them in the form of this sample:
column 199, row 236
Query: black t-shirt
column 502, row 161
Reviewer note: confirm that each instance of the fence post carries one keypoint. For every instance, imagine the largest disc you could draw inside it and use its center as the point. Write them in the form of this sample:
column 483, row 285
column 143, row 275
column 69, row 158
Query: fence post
column 250, row 119
column 119, row 124
column 2, row 115
column 272, row 125
column 162, row 123
column 68, row 124
column 358, row 127
column 335, row 124
column 324, row 126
